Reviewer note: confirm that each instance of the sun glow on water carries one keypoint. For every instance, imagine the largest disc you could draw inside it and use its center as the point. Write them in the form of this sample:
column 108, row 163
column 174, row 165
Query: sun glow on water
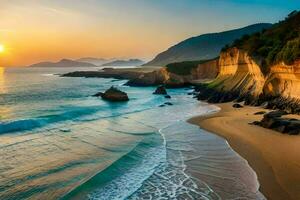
column 2, row 48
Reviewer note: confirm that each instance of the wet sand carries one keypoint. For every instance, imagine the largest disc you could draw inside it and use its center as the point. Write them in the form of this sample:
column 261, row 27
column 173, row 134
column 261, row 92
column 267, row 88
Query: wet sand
column 275, row 157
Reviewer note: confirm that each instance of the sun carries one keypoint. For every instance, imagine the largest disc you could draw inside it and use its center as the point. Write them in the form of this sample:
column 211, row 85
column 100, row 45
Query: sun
column 2, row 48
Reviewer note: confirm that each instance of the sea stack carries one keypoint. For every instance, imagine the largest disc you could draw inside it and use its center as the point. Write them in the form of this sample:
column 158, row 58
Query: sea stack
column 160, row 90
column 113, row 94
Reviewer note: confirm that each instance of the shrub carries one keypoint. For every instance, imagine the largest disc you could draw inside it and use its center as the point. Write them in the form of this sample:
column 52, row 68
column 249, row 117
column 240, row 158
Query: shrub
column 185, row 67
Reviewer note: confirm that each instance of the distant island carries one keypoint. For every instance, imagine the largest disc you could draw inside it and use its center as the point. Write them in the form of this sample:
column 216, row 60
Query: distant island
column 95, row 61
column 63, row 63
column 130, row 62
column 203, row 47
column 89, row 62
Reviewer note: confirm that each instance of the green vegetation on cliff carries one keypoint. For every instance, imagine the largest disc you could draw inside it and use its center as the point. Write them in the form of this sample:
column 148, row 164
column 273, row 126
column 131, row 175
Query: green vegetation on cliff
column 279, row 43
column 184, row 68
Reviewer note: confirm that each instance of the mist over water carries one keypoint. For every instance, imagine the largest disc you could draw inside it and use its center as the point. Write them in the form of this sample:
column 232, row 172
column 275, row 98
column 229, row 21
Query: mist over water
column 57, row 141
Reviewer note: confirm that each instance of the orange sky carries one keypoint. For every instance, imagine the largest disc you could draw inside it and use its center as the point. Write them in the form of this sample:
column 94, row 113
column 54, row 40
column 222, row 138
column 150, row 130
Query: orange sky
column 49, row 30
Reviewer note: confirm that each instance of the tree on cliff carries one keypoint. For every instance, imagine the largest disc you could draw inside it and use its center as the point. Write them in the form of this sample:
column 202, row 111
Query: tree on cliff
column 279, row 43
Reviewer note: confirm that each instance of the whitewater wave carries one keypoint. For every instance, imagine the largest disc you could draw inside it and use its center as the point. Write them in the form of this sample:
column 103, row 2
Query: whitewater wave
column 144, row 171
column 79, row 114
column 21, row 125
column 126, row 175
column 29, row 124
column 48, row 74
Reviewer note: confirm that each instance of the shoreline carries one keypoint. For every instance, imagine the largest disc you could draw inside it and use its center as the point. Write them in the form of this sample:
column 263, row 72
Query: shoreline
column 272, row 155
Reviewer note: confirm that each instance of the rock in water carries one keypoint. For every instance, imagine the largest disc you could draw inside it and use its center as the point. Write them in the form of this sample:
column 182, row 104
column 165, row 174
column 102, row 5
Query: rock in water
column 160, row 90
column 168, row 97
column 113, row 94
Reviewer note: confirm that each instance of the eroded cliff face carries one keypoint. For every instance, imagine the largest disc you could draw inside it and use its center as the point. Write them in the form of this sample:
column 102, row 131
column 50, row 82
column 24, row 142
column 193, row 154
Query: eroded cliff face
column 207, row 70
column 283, row 80
column 239, row 73
column 174, row 80
column 240, row 77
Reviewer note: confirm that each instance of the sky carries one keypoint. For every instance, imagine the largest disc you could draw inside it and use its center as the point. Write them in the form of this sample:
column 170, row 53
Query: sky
column 49, row 30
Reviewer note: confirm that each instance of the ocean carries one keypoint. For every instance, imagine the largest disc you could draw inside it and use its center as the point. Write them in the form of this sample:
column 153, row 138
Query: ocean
column 57, row 141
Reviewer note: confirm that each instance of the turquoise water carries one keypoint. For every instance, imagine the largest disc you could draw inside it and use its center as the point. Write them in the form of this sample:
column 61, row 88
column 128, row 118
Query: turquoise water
column 59, row 142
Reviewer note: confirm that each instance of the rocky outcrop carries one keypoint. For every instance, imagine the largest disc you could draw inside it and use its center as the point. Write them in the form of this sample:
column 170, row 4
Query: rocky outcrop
column 237, row 105
column 274, row 120
column 113, row 94
column 283, row 80
column 160, row 90
column 239, row 73
column 106, row 73
column 156, row 77
column 136, row 77
column 160, row 77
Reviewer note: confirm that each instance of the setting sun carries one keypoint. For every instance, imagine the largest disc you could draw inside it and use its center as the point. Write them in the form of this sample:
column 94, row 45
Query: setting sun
column 2, row 48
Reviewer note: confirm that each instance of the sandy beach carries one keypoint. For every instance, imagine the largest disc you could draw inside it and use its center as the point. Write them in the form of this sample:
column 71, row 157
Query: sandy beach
column 275, row 157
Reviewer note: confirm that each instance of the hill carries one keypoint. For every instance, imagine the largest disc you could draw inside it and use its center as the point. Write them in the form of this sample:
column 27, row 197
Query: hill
column 95, row 61
column 63, row 63
column 130, row 62
column 203, row 47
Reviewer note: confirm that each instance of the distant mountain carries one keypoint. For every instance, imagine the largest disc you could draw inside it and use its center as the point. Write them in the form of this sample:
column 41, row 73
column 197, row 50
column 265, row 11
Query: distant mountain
column 203, row 47
column 95, row 61
column 130, row 62
column 63, row 63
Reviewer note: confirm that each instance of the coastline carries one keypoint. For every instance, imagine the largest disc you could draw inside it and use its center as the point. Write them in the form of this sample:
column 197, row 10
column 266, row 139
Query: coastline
column 272, row 155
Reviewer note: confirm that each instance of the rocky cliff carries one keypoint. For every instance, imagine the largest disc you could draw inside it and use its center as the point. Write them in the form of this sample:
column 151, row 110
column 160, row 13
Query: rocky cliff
column 283, row 80
column 207, row 70
column 239, row 73
column 240, row 77
column 262, row 68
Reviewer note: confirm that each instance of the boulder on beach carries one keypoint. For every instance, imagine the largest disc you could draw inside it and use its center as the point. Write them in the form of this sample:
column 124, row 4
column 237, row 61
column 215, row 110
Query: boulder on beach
column 274, row 120
column 236, row 105
column 113, row 94
column 160, row 90
column 276, row 113
column 260, row 113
